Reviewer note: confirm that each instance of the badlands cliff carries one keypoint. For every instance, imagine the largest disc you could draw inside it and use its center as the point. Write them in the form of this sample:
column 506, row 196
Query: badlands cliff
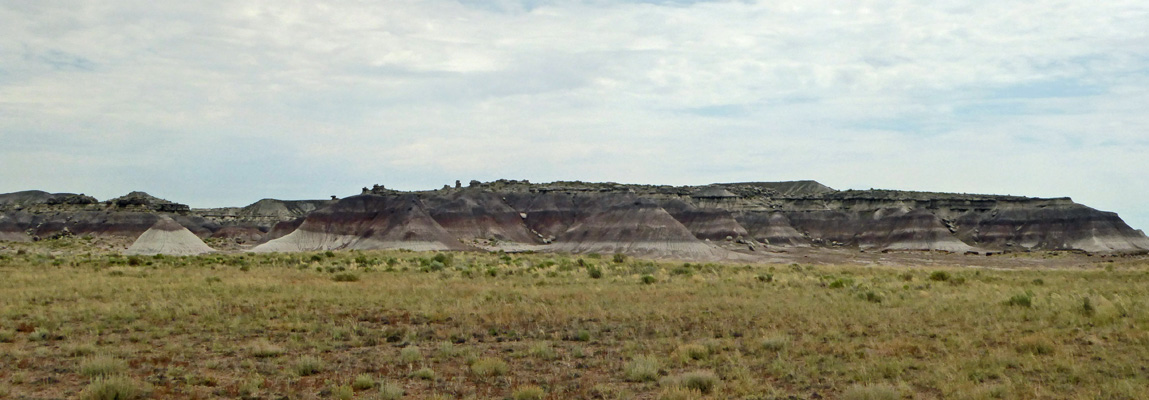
column 712, row 221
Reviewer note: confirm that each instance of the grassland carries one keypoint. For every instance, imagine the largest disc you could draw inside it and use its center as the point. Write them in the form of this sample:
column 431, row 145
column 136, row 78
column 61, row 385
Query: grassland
column 389, row 325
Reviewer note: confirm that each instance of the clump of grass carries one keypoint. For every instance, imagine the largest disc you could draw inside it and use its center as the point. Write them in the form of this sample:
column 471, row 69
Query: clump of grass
column 308, row 365
column 447, row 350
column 489, row 366
column 703, row 381
column 1021, row 300
column 775, row 343
column 265, row 349
column 426, row 374
column 363, row 382
column 871, row 392
column 345, row 277
column 250, row 387
column 7, row 336
column 648, row 279
column 343, row 392
column 39, row 335
column 410, row 355
column 113, row 388
column 870, row 296
column 642, row 369
column 841, row 283
column 1035, row 344
column 939, row 276
column 529, row 392
column 694, row 351
column 392, row 391
column 81, row 349
column 679, row 393
column 1087, row 308
column 102, row 366
column 542, row 351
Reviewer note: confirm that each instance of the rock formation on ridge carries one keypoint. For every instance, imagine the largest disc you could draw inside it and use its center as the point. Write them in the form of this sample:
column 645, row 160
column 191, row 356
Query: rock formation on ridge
column 648, row 220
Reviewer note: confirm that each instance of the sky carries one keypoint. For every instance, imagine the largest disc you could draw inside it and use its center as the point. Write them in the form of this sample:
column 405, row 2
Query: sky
column 222, row 103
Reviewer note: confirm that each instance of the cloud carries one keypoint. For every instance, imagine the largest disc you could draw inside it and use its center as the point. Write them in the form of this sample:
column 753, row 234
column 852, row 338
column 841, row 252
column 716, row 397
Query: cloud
column 244, row 100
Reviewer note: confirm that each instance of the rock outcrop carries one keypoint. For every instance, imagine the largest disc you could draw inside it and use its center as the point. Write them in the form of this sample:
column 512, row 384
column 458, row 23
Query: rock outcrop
column 704, row 222
column 368, row 222
column 35, row 215
column 168, row 237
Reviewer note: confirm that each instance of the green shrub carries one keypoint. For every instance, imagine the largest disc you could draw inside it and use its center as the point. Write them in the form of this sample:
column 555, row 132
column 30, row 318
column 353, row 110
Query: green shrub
column 426, row 374
column 594, row 272
column 543, row 351
column 648, row 279
column 7, row 336
column 642, row 369
column 1087, row 308
column 488, row 367
column 871, row 392
column 1021, row 300
column 619, row 258
column 529, row 392
column 443, row 259
column 447, row 350
column 392, row 391
column 410, row 355
column 102, row 366
column 841, row 283
column 940, row 276
column 363, row 382
column 308, row 365
column 871, row 296
column 766, row 278
column 582, row 335
column 113, row 388
column 343, row 392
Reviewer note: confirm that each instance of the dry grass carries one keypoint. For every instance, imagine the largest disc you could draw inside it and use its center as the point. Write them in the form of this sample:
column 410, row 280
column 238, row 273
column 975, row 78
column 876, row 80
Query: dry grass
column 203, row 328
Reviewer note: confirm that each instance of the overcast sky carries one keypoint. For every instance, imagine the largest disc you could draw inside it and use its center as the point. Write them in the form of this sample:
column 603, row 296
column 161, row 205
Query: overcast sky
column 215, row 103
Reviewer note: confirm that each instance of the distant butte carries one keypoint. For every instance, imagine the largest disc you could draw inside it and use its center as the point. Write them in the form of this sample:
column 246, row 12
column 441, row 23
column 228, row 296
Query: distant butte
column 717, row 221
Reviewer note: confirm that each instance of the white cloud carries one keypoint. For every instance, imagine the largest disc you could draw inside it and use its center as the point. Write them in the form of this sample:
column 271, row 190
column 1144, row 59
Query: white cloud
column 305, row 99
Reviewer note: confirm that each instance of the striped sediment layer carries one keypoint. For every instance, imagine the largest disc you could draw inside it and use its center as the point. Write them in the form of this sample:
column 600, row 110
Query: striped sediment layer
column 168, row 237
column 647, row 220
column 368, row 222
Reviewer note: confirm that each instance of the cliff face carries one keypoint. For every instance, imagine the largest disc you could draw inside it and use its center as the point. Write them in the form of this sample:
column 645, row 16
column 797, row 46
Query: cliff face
column 710, row 221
